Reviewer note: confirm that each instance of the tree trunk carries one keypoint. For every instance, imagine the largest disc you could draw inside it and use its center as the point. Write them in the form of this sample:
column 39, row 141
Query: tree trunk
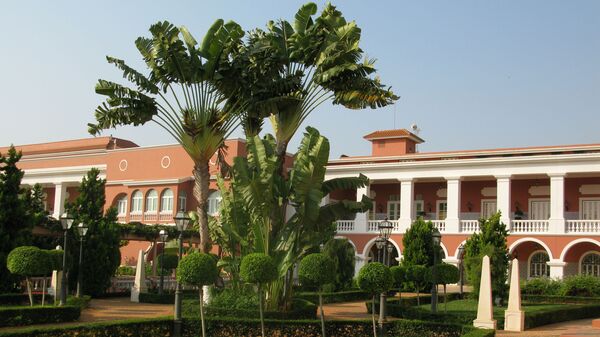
column 445, row 300
column 44, row 292
column 260, row 309
column 202, row 311
column 373, row 316
column 29, row 290
column 418, row 297
column 322, row 314
column 201, row 184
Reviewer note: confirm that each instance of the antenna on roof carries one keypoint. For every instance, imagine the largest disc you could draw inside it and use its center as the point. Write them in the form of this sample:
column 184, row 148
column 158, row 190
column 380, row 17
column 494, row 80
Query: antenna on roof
column 415, row 129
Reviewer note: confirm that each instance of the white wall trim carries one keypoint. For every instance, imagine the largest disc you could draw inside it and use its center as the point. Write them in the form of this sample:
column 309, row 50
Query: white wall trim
column 573, row 243
column 540, row 242
column 149, row 182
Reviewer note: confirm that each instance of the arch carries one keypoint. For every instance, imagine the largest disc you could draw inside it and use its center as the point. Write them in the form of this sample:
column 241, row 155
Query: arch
column 573, row 243
column 137, row 200
column 182, row 201
column 444, row 249
column 151, row 201
column 166, row 200
column 463, row 243
column 583, row 257
column 349, row 241
column 120, row 202
column 538, row 241
column 545, row 265
column 371, row 242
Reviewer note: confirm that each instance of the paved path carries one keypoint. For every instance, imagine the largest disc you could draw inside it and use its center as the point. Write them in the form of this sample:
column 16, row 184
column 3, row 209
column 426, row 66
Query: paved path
column 580, row 328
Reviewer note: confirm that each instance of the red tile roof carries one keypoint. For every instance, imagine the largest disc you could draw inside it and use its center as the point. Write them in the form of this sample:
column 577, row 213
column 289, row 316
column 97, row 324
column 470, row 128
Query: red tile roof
column 97, row 143
column 396, row 133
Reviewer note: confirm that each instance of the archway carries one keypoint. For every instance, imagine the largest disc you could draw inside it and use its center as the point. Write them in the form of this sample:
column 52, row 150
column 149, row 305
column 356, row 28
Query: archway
column 581, row 257
column 533, row 256
column 373, row 254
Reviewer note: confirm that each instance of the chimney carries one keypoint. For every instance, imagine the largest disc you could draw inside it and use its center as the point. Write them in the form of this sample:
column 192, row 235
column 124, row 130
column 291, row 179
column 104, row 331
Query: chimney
column 393, row 142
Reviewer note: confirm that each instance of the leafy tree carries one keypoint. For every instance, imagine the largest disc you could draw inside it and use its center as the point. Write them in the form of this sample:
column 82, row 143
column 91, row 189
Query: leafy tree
column 15, row 220
column 28, row 261
column 317, row 270
column 180, row 94
column 400, row 274
column 417, row 275
column 375, row 278
column 254, row 197
column 343, row 255
column 198, row 269
column 101, row 255
column 418, row 244
column 445, row 274
column 491, row 241
column 259, row 268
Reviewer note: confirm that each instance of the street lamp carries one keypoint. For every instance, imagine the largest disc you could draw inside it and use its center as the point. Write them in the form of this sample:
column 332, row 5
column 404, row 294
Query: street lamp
column 82, row 230
column 461, row 251
column 181, row 222
column 163, row 238
column 66, row 221
column 385, row 230
column 436, row 238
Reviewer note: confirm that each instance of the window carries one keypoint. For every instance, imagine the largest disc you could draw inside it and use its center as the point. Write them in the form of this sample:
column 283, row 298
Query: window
column 151, row 201
column 393, row 210
column 538, row 266
column 122, row 205
column 136, row 202
column 590, row 209
column 419, row 209
column 539, row 209
column 590, row 264
column 488, row 208
column 166, row 201
column 442, row 209
column 182, row 201
column 214, row 200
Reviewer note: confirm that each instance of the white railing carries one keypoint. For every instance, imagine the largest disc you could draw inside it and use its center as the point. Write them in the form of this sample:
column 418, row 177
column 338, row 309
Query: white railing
column 529, row 226
column 153, row 216
column 373, row 225
column 469, row 226
column 345, row 225
column 165, row 216
column 122, row 218
column 583, row 226
column 439, row 224
column 135, row 217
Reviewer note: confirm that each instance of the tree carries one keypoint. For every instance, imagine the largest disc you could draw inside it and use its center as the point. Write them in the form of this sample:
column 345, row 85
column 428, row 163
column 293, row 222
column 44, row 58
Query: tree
column 417, row 275
column 418, row 244
column 15, row 220
column 259, row 268
column 255, row 194
column 445, row 274
column 28, row 261
column 198, row 269
column 491, row 241
column 400, row 275
column 343, row 255
column 317, row 270
column 180, row 94
column 374, row 278
column 101, row 246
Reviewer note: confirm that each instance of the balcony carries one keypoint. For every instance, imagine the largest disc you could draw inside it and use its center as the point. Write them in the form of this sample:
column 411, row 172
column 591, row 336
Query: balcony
column 583, row 226
column 529, row 226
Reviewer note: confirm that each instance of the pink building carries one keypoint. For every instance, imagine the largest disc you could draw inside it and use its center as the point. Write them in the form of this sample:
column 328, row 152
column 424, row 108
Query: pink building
column 549, row 196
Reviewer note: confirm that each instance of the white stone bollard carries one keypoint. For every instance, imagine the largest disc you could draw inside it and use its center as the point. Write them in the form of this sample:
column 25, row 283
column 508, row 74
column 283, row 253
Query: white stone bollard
column 485, row 313
column 139, row 285
column 55, row 284
column 514, row 317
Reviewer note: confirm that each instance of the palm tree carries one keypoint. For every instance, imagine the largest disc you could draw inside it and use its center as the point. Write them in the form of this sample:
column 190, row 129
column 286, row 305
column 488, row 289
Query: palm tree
column 180, row 94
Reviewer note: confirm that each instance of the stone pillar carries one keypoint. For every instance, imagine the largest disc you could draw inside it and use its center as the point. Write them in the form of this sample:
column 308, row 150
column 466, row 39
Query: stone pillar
column 514, row 317
column 557, row 269
column 407, row 192
column 60, row 194
column 453, row 214
column 557, row 203
column 359, row 262
column 361, row 218
column 503, row 198
column 55, row 284
column 139, row 286
column 485, row 314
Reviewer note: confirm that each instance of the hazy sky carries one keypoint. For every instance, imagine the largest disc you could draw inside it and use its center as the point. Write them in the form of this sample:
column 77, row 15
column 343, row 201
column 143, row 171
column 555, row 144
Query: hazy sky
column 471, row 74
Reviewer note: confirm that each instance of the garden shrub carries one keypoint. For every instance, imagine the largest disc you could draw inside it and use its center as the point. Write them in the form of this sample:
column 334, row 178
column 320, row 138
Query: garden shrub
column 301, row 309
column 580, row 285
column 18, row 316
column 342, row 254
column 244, row 298
column 554, row 299
column 413, row 328
column 82, row 302
column 541, row 286
column 28, row 261
column 17, row 299
column 555, row 315
column 125, row 271
column 335, row 297
column 480, row 333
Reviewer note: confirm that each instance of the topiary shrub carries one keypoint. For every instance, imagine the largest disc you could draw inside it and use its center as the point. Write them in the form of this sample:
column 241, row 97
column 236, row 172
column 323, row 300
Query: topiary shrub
column 399, row 273
column 317, row 270
column 28, row 261
column 258, row 268
column 198, row 269
column 445, row 274
column 167, row 262
column 417, row 275
column 375, row 278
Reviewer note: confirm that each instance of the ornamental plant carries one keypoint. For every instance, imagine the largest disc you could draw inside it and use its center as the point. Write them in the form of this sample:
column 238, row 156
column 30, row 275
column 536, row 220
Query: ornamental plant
column 317, row 270
column 198, row 269
column 27, row 261
column 374, row 278
column 399, row 274
column 259, row 268
column 445, row 274
column 416, row 274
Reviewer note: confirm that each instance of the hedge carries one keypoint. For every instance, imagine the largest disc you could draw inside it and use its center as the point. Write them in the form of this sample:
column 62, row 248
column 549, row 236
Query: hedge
column 17, row 316
column 555, row 315
column 18, row 299
column 302, row 309
column 552, row 299
column 335, row 297
column 235, row 328
column 157, row 299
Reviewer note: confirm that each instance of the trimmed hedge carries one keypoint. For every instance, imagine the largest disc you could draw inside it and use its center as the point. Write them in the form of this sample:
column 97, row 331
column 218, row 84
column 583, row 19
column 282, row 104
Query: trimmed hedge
column 17, row 316
column 156, row 298
column 335, row 297
column 302, row 309
column 480, row 333
column 18, row 299
column 551, row 299
column 568, row 313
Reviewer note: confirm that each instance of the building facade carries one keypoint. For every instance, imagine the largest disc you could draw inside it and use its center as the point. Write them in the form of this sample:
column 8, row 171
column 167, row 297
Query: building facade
column 549, row 197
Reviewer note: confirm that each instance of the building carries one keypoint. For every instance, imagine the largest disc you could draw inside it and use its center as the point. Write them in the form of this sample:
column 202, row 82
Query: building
column 549, row 196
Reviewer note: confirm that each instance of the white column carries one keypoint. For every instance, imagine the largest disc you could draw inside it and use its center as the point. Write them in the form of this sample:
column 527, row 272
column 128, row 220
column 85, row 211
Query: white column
column 453, row 214
column 407, row 192
column 359, row 262
column 503, row 198
column 557, row 269
column 60, row 194
column 361, row 218
column 557, row 203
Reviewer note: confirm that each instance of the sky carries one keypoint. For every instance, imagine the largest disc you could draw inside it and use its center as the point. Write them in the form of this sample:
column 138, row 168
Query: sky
column 471, row 74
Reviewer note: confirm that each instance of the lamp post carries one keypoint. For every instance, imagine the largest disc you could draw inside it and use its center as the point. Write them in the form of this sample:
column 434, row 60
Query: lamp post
column 82, row 230
column 461, row 251
column 379, row 242
column 436, row 237
column 66, row 221
column 163, row 238
column 181, row 221
column 385, row 230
